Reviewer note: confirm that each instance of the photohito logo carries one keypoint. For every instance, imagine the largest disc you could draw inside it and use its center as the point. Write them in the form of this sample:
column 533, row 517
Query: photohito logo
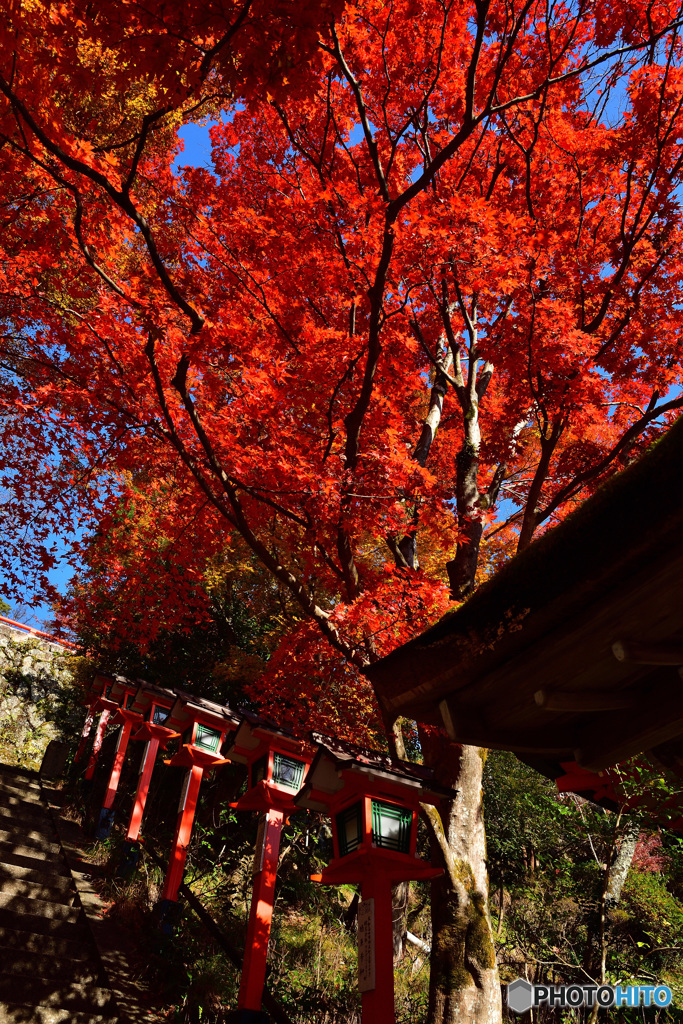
column 522, row 995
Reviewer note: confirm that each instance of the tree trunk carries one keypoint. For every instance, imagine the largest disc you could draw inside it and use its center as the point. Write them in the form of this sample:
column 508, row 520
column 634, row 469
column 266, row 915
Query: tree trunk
column 464, row 983
column 399, row 906
column 501, row 907
column 621, row 862
column 462, row 569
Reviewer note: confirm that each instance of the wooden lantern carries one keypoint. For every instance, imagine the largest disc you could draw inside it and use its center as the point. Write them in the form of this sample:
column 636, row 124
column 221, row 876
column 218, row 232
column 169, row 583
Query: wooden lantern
column 95, row 690
column 152, row 707
column 101, row 689
column 122, row 693
column 373, row 802
column 277, row 763
column 204, row 727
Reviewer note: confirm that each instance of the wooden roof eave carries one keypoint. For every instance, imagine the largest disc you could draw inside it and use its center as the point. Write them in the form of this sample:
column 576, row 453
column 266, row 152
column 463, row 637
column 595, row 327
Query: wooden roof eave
column 620, row 555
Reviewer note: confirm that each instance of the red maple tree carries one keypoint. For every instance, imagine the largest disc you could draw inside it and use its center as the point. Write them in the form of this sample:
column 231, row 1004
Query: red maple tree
column 437, row 264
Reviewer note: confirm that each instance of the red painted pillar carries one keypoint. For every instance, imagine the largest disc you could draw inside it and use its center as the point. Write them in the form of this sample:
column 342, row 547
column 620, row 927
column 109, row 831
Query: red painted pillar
column 119, row 757
column 146, row 768
column 97, row 745
column 183, row 832
column 261, row 913
column 84, row 735
column 376, row 950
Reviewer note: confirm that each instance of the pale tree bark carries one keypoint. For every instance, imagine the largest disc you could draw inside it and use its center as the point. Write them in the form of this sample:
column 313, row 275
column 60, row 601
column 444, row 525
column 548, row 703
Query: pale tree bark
column 471, row 502
column 619, row 859
column 399, row 905
column 464, row 982
column 405, row 549
column 621, row 862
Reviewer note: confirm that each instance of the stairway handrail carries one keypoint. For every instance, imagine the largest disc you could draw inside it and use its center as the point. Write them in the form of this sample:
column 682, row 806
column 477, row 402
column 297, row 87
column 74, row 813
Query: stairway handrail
column 38, row 632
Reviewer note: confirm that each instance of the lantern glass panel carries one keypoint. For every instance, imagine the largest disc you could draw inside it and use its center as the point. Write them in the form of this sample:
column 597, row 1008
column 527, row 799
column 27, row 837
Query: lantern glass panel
column 207, row 738
column 108, row 689
column 288, row 772
column 130, row 700
column 350, row 828
column 159, row 714
column 391, row 826
column 259, row 770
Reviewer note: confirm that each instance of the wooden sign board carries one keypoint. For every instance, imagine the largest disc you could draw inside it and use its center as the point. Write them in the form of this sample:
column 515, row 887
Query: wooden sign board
column 366, row 946
column 260, row 846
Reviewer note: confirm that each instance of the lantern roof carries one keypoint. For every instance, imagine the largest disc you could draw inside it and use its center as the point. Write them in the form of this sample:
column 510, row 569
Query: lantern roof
column 121, row 687
column 188, row 708
column 97, row 686
column 338, row 763
column 573, row 651
column 256, row 734
column 149, row 693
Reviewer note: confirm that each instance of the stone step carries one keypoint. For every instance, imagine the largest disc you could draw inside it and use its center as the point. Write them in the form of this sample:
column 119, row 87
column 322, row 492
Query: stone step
column 30, row 942
column 25, row 790
column 19, row 917
column 42, row 874
column 30, row 837
column 16, row 1013
column 48, row 854
column 18, row 824
column 20, row 811
column 57, row 993
column 51, row 794
column 11, row 771
column 40, row 965
column 42, row 890
column 30, row 801
column 38, row 908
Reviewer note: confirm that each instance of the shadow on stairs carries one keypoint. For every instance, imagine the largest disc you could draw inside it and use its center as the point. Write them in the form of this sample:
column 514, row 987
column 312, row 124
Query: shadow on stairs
column 60, row 959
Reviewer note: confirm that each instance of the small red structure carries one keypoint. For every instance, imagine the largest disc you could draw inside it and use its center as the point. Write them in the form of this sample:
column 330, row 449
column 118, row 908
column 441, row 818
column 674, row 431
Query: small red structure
column 605, row 788
column 204, row 726
column 105, row 707
column 595, row 786
column 95, row 691
column 122, row 693
column 152, row 707
column 278, row 763
column 373, row 801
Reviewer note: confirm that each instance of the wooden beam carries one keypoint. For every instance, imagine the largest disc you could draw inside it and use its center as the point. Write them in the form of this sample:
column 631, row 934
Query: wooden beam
column 468, row 725
column 587, row 700
column 623, row 734
column 669, row 653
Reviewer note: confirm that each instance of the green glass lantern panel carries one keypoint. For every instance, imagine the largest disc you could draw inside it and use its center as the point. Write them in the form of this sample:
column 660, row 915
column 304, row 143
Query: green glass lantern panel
column 159, row 714
column 391, row 826
column 207, row 738
column 108, row 689
column 259, row 771
column 350, row 829
column 288, row 772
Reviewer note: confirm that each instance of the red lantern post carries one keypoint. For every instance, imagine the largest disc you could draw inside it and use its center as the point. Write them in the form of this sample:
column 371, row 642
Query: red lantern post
column 278, row 763
column 96, row 690
column 123, row 694
column 206, row 726
column 153, row 704
column 87, row 726
column 373, row 801
column 105, row 706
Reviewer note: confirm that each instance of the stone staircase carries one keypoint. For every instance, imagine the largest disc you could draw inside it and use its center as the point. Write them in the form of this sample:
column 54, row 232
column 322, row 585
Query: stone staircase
column 50, row 969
